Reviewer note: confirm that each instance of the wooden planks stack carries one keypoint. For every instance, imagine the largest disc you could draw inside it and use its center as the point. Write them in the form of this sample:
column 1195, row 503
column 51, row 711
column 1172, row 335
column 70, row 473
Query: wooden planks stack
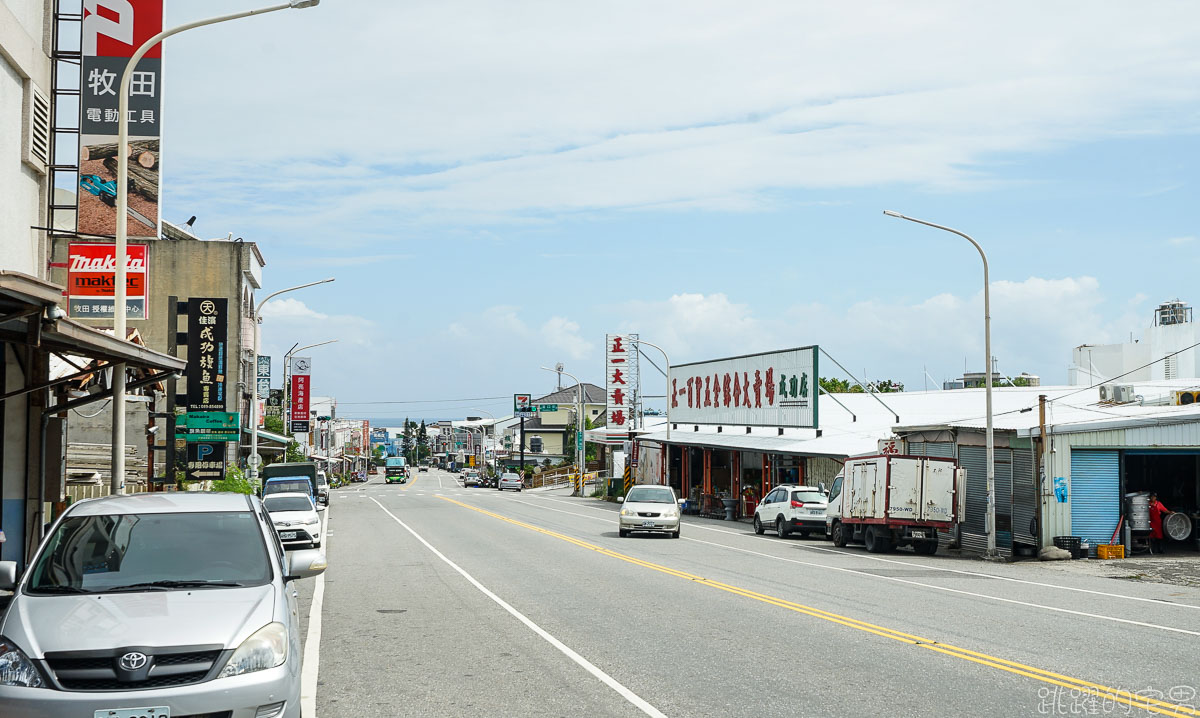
column 88, row 459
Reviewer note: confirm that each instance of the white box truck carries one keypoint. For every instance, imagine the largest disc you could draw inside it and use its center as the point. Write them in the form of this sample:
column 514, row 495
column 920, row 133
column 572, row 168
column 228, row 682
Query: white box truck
column 889, row 501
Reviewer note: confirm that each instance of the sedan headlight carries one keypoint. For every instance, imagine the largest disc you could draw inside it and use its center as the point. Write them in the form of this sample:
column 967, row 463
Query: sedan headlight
column 267, row 648
column 16, row 669
column 671, row 513
column 312, row 522
column 626, row 512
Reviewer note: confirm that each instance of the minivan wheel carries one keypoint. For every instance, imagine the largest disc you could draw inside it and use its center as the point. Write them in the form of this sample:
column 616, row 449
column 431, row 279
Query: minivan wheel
column 780, row 528
column 758, row 527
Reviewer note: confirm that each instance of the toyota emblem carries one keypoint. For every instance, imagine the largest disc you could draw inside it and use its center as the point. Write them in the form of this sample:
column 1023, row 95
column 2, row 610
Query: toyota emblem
column 133, row 661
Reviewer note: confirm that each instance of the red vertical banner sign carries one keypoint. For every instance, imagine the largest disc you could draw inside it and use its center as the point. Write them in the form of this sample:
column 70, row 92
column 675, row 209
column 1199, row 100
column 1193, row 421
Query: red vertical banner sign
column 300, row 371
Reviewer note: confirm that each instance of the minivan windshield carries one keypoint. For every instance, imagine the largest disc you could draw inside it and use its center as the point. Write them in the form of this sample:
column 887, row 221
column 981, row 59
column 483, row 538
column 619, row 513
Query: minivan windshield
column 146, row 552
column 287, row 503
column 651, row 496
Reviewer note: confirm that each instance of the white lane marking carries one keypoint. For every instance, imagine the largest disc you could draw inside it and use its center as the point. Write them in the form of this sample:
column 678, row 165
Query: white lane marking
column 912, row 564
column 312, row 644
column 896, row 579
column 636, row 700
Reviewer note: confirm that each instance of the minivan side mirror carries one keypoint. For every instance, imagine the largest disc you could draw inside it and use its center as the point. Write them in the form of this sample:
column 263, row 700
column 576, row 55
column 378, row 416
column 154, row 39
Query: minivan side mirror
column 8, row 575
column 620, row 499
column 305, row 564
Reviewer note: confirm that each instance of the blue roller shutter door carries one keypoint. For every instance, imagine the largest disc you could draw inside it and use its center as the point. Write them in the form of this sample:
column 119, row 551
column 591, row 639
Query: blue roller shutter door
column 1095, row 495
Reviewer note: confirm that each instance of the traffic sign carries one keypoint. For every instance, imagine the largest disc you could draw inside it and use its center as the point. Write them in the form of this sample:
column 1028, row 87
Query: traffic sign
column 547, row 407
column 254, row 460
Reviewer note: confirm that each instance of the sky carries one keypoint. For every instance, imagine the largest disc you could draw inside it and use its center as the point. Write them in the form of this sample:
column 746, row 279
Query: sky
column 496, row 186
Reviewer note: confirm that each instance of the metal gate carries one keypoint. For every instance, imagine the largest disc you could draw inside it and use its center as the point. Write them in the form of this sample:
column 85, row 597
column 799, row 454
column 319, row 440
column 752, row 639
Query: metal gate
column 944, row 449
column 974, row 524
column 1024, row 497
column 1095, row 495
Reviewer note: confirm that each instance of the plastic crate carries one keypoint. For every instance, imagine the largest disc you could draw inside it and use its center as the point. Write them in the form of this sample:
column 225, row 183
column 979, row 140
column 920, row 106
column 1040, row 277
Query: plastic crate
column 1110, row 551
column 1074, row 544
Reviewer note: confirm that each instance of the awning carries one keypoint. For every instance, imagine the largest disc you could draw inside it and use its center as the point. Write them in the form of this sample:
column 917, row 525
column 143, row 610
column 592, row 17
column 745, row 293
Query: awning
column 24, row 301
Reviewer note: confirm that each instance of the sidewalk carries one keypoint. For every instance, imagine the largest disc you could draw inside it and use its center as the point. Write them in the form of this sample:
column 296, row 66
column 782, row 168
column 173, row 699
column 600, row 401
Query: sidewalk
column 1179, row 569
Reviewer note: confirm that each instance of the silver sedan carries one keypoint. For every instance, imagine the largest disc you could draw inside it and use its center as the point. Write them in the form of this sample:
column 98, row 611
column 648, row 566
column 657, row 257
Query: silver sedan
column 649, row 508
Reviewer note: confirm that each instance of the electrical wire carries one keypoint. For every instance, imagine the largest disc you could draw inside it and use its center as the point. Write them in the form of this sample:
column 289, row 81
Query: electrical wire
column 98, row 411
column 425, row 401
column 1118, row 376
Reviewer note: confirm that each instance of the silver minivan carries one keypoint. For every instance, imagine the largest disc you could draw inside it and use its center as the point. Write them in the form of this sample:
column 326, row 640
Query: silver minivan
column 163, row 605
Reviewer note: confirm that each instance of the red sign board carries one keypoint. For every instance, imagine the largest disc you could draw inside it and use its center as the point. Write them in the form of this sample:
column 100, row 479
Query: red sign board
column 117, row 28
column 90, row 269
column 300, row 397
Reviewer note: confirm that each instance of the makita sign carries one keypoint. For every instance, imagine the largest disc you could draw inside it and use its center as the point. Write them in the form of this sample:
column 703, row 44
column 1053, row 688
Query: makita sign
column 90, row 280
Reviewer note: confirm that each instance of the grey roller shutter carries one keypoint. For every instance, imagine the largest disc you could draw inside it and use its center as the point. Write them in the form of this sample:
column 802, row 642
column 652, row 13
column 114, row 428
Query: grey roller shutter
column 1095, row 495
column 1024, row 497
column 974, row 524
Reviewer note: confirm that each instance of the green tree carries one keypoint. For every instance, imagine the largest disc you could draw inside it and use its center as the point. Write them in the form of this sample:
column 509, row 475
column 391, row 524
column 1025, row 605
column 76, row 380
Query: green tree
column 235, row 480
column 273, row 424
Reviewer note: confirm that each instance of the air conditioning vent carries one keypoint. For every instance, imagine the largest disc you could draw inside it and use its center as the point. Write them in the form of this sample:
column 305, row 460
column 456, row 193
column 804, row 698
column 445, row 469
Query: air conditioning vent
column 1107, row 392
column 1123, row 394
column 37, row 128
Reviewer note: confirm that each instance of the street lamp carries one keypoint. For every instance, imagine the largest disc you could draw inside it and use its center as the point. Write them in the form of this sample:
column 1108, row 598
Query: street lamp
column 987, row 373
column 254, row 459
column 118, row 426
column 287, row 389
column 580, row 452
column 493, row 418
column 669, row 395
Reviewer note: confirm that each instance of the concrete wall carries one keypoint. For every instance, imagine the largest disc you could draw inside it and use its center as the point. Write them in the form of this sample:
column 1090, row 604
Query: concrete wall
column 24, row 61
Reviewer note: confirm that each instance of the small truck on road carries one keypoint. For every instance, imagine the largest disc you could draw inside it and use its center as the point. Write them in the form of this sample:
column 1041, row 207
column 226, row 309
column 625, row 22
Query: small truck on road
column 888, row 501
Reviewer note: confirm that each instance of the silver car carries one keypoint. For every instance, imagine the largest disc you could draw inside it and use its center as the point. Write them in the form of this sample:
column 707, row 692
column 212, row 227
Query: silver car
column 649, row 507
column 510, row 481
column 157, row 605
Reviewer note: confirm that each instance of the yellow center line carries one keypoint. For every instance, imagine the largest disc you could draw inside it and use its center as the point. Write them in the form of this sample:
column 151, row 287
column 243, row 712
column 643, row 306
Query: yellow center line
column 409, row 483
column 1105, row 692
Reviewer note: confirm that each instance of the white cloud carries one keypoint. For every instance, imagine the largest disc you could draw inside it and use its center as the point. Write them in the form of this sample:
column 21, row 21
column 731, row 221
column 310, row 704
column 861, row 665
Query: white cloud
column 1180, row 241
column 1035, row 324
column 528, row 107
column 563, row 334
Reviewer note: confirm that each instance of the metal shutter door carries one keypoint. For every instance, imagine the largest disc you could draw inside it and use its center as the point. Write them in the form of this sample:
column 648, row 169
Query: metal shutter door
column 1024, row 497
column 1095, row 495
column 974, row 524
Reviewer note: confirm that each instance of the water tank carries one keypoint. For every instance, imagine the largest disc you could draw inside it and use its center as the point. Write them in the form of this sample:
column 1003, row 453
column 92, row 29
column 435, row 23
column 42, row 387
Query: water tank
column 1137, row 509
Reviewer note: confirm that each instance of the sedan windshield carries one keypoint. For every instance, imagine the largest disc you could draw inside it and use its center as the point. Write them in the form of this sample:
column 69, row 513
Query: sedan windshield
column 98, row 554
column 651, row 496
column 287, row 503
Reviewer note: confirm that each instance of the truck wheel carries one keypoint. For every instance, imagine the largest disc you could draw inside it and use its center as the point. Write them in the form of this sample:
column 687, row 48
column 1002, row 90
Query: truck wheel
column 926, row 548
column 758, row 527
column 876, row 541
column 781, row 528
column 840, row 537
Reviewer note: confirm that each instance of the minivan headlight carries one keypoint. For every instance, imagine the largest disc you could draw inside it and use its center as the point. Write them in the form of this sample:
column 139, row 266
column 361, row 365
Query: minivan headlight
column 267, row 648
column 15, row 667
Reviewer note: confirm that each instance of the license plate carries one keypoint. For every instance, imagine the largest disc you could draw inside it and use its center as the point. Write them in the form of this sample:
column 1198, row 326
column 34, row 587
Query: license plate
column 816, row 512
column 918, row 534
column 285, row 535
column 648, row 524
column 158, row 712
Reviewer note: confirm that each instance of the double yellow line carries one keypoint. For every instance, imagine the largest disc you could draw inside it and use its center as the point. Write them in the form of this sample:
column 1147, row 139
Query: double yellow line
column 1083, row 687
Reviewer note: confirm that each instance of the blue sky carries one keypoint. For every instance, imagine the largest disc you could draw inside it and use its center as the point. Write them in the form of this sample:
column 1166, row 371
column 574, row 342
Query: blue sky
column 496, row 188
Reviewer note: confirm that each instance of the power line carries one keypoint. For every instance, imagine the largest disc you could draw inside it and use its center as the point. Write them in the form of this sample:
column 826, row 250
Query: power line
column 425, row 401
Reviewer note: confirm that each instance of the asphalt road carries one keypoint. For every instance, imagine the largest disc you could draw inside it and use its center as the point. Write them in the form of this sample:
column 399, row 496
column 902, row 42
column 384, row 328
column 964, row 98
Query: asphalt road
column 446, row 601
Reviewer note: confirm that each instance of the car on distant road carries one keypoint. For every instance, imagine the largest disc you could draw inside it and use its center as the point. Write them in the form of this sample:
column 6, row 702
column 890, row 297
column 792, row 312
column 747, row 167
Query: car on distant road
column 471, row 478
column 510, row 480
column 296, row 520
column 322, row 488
column 423, row 467
column 791, row 508
column 650, row 508
column 165, row 604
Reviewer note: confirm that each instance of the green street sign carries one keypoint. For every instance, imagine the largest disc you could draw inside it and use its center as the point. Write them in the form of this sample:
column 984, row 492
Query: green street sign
column 206, row 426
column 547, row 407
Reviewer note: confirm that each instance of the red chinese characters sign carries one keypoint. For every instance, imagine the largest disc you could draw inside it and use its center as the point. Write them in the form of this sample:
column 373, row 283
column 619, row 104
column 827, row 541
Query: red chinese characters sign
column 621, row 385
column 90, row 269
column 769, row 389
column 300, row 370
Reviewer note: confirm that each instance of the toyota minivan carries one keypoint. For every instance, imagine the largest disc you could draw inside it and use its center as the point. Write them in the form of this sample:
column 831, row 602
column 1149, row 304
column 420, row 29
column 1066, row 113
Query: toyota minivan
column 165, row 604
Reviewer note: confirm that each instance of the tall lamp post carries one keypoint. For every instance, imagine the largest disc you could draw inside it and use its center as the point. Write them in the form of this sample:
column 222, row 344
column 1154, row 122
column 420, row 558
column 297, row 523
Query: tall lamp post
column 254, row 459
column 987, row 373
column 287, row 389
column 493, row 418
column 580, row 446
column 119, row 290
column 668, row 395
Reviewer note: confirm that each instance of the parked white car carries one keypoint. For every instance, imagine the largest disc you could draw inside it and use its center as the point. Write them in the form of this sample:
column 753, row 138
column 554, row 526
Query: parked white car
column 295, row 519
column 155, row 604
column 651, row 508
column 510, row 481
column 791, row 508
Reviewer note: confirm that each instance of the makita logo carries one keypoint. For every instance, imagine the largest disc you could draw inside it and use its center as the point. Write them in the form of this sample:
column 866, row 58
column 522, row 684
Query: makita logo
column 81, row 263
